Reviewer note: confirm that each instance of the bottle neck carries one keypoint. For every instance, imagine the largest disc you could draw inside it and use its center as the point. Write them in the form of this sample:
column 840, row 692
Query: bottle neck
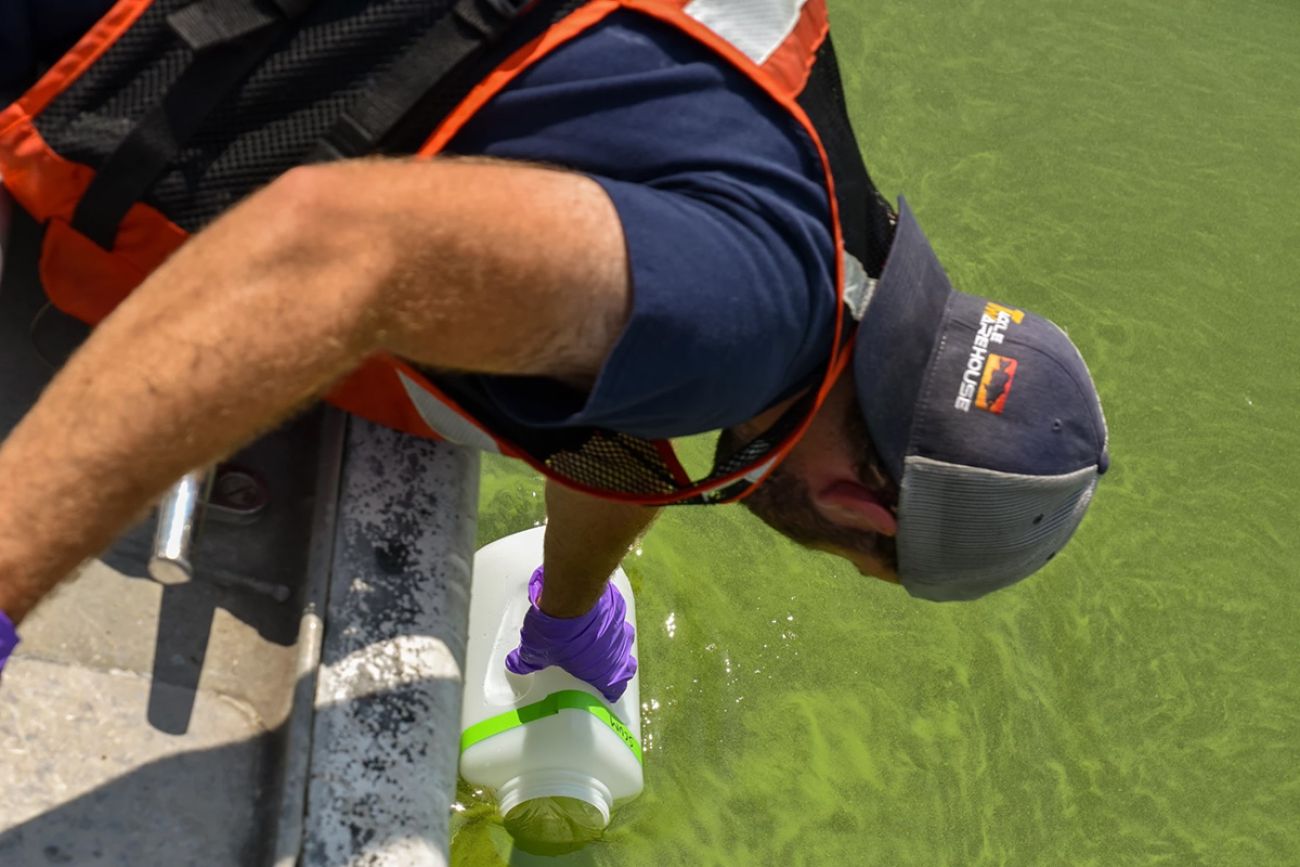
column 556, row 784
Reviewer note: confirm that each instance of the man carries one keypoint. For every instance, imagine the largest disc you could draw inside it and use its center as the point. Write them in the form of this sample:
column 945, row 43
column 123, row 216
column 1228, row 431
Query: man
column 692, row 266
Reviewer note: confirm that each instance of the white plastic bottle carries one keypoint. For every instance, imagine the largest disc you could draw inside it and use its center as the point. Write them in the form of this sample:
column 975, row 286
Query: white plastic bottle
column 559, row 756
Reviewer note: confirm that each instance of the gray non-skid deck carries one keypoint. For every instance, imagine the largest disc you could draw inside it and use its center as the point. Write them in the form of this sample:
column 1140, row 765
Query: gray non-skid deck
column 298, row 703
column 88, row 784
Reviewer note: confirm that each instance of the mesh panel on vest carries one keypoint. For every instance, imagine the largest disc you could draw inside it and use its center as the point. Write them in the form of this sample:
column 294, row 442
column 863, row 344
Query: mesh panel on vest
column 628, row 464
column 615, row 462
column 267, row 126
column 598, row 458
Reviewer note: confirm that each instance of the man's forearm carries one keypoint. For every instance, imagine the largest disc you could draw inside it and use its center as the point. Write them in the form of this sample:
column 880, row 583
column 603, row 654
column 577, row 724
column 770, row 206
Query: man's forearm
column 270, row 305
column 586, row 538
column 195, row 362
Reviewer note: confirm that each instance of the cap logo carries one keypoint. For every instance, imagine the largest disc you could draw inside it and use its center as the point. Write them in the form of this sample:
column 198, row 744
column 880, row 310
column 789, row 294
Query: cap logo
column 995, row 385
column 986, row 381
column 992, row 309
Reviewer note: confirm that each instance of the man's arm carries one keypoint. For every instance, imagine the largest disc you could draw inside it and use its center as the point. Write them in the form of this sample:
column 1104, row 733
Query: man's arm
column 468, row 265
column 585, row 539
column 578, row 619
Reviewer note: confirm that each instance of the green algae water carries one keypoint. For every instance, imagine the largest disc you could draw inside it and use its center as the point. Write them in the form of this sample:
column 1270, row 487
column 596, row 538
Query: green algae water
column 1130, row 168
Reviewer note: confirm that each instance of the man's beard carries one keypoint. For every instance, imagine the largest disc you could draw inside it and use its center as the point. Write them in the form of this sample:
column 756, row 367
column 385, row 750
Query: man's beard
column 784, row 503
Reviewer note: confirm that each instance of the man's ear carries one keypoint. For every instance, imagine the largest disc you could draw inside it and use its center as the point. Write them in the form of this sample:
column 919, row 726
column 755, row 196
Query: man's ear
column 850, row 504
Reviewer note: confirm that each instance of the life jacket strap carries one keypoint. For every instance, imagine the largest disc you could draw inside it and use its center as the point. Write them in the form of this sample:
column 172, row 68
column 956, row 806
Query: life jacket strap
column 208, row 23
column 230, row 38
column 234, row 35
column 462, row 36
column 866, row 216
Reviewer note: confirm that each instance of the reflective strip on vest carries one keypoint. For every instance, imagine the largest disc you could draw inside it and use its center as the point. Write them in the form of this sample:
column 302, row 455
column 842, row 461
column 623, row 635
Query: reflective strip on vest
column 858, row 287
column 758, row 28
column 449, row 424
column 758, row 472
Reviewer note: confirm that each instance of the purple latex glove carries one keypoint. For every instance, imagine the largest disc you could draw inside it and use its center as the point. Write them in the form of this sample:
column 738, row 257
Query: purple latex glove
column 8, row 639
column 596, row 647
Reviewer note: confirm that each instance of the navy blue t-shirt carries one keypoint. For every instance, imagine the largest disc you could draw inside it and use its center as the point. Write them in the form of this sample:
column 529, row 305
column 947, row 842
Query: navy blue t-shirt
column 722, row 201
column 36, row 32
column 721, row 198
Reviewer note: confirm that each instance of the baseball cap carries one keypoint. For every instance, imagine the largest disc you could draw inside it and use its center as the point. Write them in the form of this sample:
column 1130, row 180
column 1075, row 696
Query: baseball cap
column 986, row 417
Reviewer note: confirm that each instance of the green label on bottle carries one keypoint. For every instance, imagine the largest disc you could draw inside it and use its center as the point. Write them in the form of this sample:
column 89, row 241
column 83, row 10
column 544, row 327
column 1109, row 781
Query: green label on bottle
column 569, row 699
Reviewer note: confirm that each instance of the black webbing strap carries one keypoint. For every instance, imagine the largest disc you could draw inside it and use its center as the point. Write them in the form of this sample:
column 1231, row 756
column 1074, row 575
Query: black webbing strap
column 536, row 17
column 217, row 22
column 229, row 52
column 866, row 218
column 469, row 28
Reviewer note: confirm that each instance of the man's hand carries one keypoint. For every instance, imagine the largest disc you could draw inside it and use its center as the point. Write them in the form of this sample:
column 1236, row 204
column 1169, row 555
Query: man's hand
column 595, row 647
column 577, row 616
column 470, row 265
column 8, row 640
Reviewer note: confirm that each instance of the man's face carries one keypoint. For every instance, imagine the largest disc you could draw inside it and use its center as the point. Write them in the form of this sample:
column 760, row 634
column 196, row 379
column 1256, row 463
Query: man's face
column 785, row 503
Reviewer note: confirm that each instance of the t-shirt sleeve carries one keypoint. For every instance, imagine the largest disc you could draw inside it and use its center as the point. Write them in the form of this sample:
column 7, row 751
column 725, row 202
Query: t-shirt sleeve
column 724, row 209
column 37, row 32
column 17, row 53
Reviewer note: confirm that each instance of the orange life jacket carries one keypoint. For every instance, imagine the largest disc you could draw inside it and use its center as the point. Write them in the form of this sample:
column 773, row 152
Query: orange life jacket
column 168, row 111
